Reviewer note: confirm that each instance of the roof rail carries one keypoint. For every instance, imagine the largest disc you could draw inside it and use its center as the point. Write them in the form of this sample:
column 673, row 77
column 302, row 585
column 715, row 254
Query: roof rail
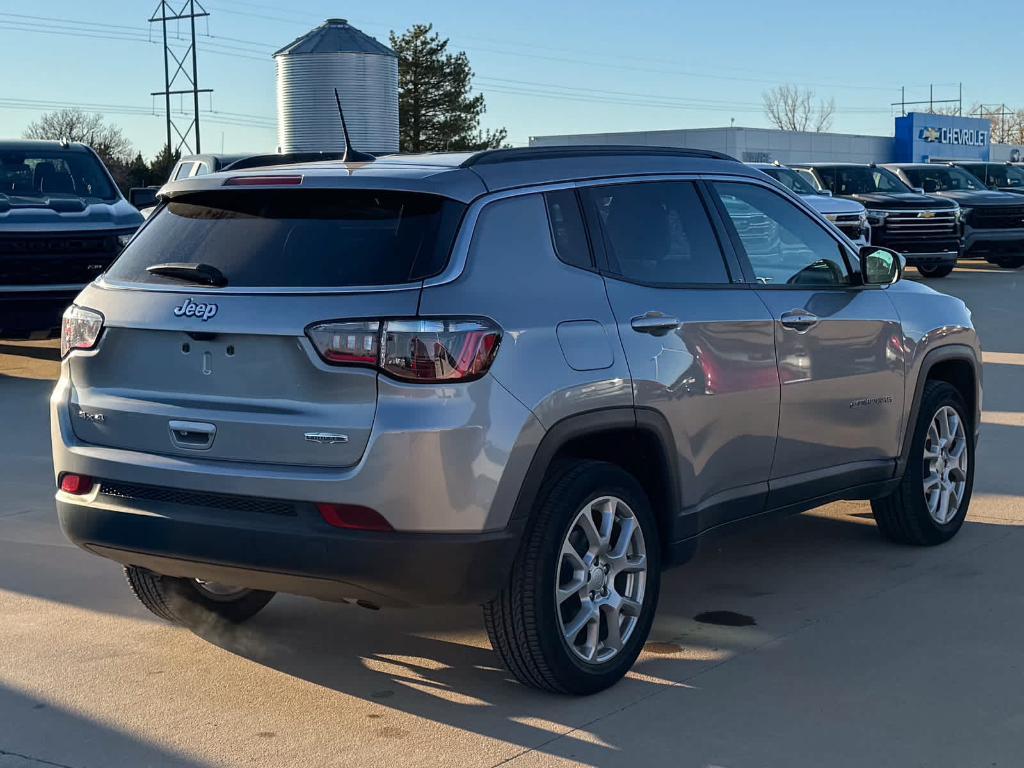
column 499, row 156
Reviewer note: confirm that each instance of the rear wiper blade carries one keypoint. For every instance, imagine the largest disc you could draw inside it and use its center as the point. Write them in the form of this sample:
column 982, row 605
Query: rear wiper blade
column 203, row 274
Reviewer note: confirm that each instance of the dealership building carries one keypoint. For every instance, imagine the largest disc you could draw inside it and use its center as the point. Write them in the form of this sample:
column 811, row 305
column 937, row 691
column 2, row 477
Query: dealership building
column 917, row 137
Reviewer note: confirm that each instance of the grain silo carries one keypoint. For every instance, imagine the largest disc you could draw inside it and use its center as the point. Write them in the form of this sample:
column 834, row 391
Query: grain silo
column 365, row 72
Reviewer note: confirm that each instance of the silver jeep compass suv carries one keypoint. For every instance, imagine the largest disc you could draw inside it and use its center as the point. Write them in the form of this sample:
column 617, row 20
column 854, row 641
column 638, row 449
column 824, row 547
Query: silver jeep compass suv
column 528, row 379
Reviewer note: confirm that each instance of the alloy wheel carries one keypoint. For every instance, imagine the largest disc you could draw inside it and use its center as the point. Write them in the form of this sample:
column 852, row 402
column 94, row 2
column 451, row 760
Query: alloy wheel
column 945, row 465
column 601, row 580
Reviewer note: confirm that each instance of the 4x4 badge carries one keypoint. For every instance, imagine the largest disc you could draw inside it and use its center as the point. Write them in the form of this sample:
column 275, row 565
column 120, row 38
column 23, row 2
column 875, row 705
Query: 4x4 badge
column 190, row 308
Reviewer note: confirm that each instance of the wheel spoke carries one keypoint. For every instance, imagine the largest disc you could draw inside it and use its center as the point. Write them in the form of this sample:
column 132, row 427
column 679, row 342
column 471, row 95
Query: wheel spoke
column 626, row 528
column 613, row 624
column 586, row 524
column 632, row 564
column 943, row 511
column 587, row 614
column 931, row 480
column 607, row 510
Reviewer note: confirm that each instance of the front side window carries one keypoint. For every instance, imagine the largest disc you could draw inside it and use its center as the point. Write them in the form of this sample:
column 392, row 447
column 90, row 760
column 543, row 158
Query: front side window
column 184, row 169
column 860, row 180
column 658, row 233
column 792, row 180
column 784, row 245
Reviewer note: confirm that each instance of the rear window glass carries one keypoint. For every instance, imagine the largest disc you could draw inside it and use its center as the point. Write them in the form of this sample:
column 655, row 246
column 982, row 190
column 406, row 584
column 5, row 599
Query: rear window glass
column 298, row 238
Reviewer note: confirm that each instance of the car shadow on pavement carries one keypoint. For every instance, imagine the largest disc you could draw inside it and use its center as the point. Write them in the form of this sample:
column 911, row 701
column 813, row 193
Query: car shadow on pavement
column 38, row 734
column 436, row 664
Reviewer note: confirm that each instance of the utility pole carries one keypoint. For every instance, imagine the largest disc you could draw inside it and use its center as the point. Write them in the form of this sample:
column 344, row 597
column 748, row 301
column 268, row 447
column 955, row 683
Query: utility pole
column 177, row 11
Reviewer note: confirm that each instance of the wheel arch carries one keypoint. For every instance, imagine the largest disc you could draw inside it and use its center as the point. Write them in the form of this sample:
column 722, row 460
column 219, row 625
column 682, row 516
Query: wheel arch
column 955, row 364
column 637, row 439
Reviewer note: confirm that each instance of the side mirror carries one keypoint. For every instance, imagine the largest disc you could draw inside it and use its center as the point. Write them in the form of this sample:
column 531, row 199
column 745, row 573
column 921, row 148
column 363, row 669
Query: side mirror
column 880, row 266
column 825, row 192
column 919, row 190
column 143, row 197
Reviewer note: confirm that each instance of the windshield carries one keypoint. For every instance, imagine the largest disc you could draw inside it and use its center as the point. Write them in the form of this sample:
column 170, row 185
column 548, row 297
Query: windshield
column 297, row 238
column 943, row 179
column 999, row 175
column 860, row 180
column 792, row 180
column 54, row 173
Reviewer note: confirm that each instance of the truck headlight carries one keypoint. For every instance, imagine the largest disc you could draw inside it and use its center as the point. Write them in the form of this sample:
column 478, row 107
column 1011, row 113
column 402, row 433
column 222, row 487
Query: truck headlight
column 962, row 214
column 863, row 220
column 876, row 218
column 122, row 240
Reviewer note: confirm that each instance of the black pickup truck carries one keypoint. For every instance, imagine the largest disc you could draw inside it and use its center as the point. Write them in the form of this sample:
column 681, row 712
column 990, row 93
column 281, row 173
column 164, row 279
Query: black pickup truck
column 926, row 230
column 62, row 221
column 993, row 221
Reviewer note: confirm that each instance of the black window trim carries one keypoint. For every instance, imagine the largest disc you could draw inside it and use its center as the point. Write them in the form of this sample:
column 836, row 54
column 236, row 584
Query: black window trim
column 596, row 234
column 851, row 259
column 583, row 220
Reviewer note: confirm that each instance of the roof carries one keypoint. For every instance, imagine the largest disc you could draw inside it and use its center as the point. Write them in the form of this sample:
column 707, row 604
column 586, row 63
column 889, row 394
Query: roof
column 467, row 175
column 16, row 145
column 336, row 36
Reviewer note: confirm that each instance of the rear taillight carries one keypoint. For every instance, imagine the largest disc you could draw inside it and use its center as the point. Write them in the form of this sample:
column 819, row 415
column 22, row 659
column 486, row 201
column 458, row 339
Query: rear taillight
column 80, row 329
column 76, row 485
column 425, row 351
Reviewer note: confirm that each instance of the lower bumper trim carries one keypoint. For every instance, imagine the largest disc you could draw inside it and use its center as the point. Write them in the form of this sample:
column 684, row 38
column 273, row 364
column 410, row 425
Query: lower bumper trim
column 298, row 556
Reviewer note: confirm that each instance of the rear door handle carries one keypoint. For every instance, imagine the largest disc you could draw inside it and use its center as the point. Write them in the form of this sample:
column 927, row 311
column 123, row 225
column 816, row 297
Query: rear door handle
column 654, row 323
column 799, row 320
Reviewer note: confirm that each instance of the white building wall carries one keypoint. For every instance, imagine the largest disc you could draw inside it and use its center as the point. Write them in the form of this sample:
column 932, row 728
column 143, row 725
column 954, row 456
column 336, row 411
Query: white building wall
column 748, row 144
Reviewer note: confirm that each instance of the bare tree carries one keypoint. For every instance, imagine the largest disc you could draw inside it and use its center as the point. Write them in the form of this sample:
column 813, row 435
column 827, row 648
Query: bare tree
column 792, row 109
column 75, row 125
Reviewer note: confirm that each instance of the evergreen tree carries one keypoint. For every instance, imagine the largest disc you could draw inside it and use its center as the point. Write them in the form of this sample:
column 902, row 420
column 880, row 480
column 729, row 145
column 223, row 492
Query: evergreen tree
column 437, row 110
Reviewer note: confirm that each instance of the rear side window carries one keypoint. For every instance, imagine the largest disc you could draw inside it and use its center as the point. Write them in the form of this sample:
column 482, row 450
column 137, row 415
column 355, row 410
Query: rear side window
column 298, row 238
column 658, row 232
column 567, row 230
column 183, row 171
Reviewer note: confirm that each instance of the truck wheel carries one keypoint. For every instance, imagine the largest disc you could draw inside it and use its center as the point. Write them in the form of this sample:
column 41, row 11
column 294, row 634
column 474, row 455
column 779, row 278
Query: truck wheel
column 1011, row 262
column 930, row 503
column 581, row 598
column 193, row 603
column 940, row 270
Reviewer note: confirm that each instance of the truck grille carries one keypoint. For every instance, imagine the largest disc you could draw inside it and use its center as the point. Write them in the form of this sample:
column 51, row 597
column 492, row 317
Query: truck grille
column 922, row 224
column 45, row 259
column 135, row 491
column 1011, row 217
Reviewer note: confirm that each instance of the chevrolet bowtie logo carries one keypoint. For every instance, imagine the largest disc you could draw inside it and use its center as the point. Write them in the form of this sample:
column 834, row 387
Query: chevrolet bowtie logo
column 930, row 134
column 926, row 215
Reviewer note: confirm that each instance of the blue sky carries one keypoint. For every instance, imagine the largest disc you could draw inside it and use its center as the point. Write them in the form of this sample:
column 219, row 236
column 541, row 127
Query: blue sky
column 545, row 67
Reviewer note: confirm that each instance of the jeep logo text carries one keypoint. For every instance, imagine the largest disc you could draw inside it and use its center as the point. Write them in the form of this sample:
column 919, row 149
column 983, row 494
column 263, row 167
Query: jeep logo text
column 195, row 309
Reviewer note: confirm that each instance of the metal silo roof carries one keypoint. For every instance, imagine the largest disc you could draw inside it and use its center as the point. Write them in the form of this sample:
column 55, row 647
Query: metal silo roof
column 336, row 36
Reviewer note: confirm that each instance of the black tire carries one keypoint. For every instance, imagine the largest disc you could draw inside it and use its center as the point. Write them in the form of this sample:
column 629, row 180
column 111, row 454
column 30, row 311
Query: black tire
column 1010, row 262
column 184, row 602
column 903, row 515
column 523, row 622
column 940, row 270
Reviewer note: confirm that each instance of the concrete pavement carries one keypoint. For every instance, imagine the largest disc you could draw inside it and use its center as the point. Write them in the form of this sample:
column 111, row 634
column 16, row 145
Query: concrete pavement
column 862, row 653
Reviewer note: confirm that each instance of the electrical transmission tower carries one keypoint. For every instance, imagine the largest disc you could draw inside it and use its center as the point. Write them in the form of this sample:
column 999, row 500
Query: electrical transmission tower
column 178, row 11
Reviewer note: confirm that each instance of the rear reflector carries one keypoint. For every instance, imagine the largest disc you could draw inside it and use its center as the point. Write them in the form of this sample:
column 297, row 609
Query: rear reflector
column 263, row 181
column 77, row 485
column 353, row 517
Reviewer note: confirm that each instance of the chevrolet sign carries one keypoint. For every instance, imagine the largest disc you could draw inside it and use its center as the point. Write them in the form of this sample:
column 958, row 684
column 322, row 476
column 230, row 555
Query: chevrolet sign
column 966, row 137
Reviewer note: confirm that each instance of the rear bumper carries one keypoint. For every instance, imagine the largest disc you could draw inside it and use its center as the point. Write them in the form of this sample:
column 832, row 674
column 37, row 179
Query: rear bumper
column 298, row 555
